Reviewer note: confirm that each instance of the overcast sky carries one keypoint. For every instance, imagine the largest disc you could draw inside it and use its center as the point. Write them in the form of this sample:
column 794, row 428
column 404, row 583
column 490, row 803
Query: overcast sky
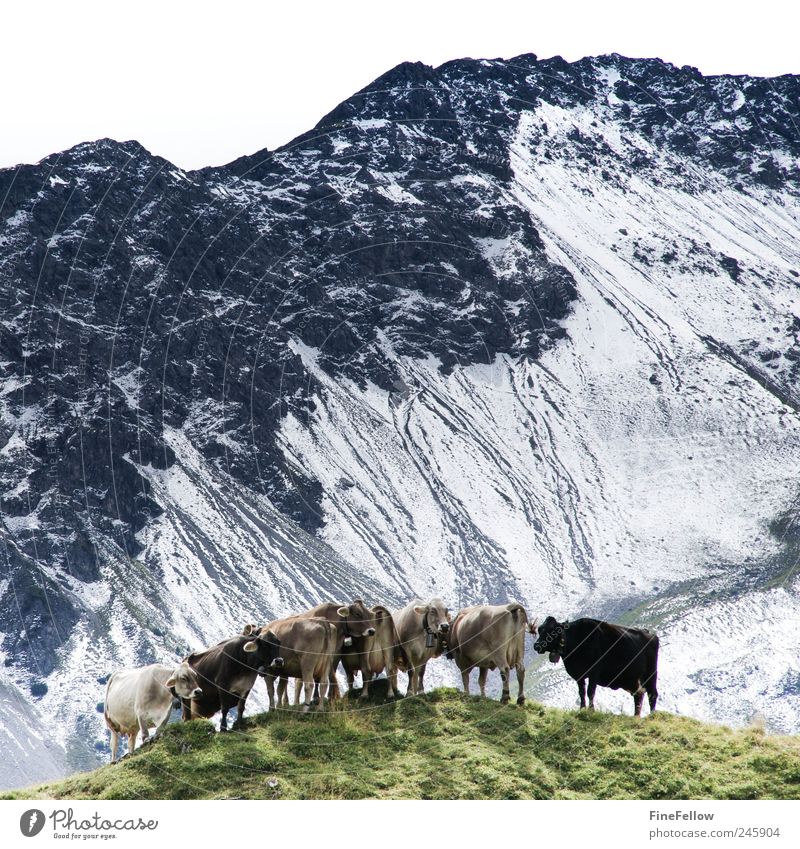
column 201, row 84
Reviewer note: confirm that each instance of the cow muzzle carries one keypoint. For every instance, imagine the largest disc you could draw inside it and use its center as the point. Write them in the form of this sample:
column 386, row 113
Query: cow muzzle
column 370, row 632
column 277, row 663
column 196, row 693
column 554, row 657
column 444, row 627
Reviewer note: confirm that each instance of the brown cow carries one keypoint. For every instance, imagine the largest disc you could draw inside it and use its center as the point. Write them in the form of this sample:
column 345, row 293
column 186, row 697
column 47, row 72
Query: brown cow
column 359, row 624
column 422, row 628
column 309, row 647
column 377, row 652
column 490, row 636
column 227, row 672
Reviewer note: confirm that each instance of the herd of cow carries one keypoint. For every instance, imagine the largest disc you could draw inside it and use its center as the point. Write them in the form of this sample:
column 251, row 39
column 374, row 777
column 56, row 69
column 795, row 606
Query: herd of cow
column 310, row 646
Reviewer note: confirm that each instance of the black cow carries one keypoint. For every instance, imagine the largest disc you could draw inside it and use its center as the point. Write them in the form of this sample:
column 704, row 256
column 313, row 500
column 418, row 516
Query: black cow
column 608, row 655
column 227, row 672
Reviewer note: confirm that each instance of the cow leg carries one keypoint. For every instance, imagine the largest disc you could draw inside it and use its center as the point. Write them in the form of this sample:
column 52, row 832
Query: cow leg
column 410, row 691
column 638, row 698
column 366, row 677
column 395, row 690
column 163, row 724
column 186, row 710
column 420, row 685
column 391, row 672
column 333, row 681
column 283, row 699
column 652, row 697
column 269, row 680
column 505, row 674
column 465, row 679
column 223, row 723
column 131, row 741
column 240, row 711
column 591, row 692
column 483, row 672
column 144, row 729
column 520, row 670
column 307, row 674
column 114, row 746
column 582, row 691
column 322, row 692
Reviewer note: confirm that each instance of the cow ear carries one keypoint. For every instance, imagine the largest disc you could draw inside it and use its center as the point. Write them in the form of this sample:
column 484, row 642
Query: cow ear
column 421, row 609
column 358, row 601
column 248, row 629
column 344, row 612
column 251, row 646
column 170, row 682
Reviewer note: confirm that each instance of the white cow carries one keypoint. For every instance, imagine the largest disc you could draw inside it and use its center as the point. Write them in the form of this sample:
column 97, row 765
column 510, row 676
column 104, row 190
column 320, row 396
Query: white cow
column 138, row 699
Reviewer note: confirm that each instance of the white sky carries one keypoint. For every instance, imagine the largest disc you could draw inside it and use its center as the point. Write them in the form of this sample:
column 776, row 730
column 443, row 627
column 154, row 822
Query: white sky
column 201, row 84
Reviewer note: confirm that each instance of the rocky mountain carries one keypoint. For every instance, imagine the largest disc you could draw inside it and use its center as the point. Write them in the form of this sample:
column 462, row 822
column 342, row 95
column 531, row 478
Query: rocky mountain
column 499, row 328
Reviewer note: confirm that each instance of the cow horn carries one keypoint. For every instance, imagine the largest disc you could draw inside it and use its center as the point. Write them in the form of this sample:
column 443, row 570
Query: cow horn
column 533, row 626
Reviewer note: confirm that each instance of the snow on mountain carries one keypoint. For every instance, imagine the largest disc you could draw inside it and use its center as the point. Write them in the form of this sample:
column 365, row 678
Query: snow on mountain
column 496, row 329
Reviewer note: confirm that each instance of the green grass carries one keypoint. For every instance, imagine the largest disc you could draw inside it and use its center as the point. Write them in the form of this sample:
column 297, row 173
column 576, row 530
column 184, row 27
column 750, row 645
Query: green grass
column 448, row 746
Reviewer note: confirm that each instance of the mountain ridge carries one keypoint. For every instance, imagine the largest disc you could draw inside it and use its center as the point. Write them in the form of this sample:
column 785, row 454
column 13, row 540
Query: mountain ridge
column 501, row 329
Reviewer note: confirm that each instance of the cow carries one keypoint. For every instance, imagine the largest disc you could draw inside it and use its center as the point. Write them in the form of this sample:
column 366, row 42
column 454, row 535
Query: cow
column 137, row 699
column 309, row 648
column 490, row 636
column 227, row 672
column 605, row 654
column 378, row 651
column 422, row 628
column 358, row 623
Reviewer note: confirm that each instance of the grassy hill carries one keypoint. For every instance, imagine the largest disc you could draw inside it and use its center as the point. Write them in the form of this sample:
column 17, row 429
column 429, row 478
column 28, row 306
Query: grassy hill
column 448, row 746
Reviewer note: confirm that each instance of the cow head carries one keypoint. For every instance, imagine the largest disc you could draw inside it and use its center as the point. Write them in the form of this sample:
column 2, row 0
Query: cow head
column 358, row 619
column 265, row 649
column 551, row 638
column 184, row 683
column 435, row 617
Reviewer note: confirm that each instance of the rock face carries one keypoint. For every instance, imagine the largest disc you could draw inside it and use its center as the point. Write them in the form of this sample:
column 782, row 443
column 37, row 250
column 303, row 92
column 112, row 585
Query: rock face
column 493, row 329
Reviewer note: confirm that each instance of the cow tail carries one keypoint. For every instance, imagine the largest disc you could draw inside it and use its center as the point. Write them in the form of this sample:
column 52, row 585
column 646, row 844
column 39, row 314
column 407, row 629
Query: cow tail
column 515, row 609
